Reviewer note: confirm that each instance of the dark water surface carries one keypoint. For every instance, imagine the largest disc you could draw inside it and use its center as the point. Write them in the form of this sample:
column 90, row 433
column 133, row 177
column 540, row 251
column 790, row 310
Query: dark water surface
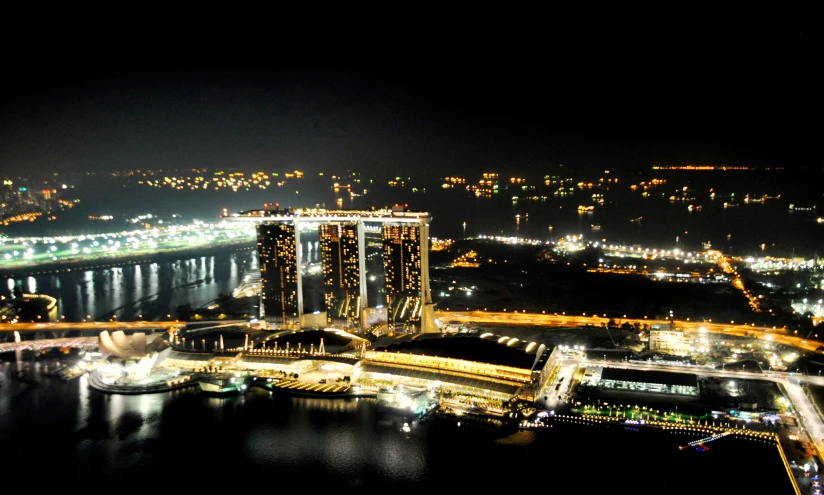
column 152, row 290
column 56, row 434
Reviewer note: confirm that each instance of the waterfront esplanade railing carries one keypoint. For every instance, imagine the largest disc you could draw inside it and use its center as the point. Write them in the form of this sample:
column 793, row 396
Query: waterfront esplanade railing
column 300, row 216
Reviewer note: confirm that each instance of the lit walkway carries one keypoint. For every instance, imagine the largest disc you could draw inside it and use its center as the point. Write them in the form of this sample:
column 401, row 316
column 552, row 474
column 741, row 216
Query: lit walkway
column 321, row 388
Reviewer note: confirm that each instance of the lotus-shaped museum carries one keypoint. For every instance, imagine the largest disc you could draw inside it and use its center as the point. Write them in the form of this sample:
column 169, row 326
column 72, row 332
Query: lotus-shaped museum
column 135, row 354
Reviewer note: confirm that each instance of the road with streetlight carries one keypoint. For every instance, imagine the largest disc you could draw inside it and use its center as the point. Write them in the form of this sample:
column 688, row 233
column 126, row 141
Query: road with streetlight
column 91, row 325
column 776, row 335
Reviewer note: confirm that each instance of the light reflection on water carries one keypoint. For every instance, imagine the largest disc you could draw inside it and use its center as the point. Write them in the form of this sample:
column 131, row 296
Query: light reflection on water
column 185, row 439
column 83, row 405
column 152, row 289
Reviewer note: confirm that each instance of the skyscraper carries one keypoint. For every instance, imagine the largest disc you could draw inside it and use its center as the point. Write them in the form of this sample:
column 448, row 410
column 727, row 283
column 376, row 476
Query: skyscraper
column 402, row 282
column 341, row 269
column 402, row 265
column 277, row 254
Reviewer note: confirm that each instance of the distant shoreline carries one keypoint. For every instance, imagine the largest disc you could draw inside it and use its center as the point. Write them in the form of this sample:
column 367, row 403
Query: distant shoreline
column 137, row 259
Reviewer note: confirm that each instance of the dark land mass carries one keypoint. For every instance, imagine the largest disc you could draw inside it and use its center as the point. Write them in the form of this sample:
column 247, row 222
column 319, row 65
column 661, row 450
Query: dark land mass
column 530, row 278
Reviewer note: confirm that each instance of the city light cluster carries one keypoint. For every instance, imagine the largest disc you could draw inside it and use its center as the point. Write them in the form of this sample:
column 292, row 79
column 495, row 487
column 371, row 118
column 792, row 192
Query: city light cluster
column 30, row 251
column 218, row 180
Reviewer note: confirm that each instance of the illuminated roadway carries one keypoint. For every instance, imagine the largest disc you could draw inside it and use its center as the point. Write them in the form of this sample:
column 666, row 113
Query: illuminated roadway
column 777, row 335
column 92, row 325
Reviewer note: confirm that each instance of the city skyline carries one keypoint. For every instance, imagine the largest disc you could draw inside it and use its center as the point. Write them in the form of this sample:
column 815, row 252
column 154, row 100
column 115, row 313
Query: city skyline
column 499, row 240
column 505, row 347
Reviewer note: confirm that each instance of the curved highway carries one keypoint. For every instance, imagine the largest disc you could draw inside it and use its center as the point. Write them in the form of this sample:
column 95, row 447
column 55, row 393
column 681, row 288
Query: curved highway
column 778, row 335
column 91, row 325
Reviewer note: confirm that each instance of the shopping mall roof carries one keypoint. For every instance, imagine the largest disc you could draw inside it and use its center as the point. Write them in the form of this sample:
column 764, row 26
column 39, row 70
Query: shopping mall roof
column 433, row 376
column 502, row 351
column 642, row 376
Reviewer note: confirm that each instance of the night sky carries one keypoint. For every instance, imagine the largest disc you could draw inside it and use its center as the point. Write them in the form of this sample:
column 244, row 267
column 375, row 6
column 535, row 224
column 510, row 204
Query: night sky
column 621, row 100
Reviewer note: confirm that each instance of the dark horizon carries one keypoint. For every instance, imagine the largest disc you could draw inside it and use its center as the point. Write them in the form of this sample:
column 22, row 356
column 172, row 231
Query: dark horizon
column 592, row 104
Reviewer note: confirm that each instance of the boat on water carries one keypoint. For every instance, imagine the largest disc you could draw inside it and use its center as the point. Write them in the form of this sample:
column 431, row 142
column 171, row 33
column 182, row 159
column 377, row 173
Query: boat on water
column 801, row 208
column 595, row 227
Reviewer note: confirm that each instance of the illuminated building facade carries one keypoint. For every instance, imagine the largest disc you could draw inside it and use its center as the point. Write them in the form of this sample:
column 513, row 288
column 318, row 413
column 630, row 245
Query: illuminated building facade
column 343, row 240
column 277, row 254
column 21, row 196
column 341, row 269
column 660, row 382
column 402, row 265
column 669, row 342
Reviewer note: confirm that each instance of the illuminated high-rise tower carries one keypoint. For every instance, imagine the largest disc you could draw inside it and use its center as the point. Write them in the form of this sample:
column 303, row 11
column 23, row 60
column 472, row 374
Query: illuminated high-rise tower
column 403, row 237
column 402, row 265
column 277, row 254
column 341, row 269
column 402, row 258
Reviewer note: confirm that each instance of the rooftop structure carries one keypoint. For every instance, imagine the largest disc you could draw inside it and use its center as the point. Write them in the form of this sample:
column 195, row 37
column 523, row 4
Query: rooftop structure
column 465, row 347
column 494, row 366
column 137, row 346
column 670, row 342
column 644, row 381
column 397, row 214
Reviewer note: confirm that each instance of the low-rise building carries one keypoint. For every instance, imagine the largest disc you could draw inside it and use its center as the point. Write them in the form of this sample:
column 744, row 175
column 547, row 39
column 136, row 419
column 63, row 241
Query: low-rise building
column 645, row 381
column 669, row 342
